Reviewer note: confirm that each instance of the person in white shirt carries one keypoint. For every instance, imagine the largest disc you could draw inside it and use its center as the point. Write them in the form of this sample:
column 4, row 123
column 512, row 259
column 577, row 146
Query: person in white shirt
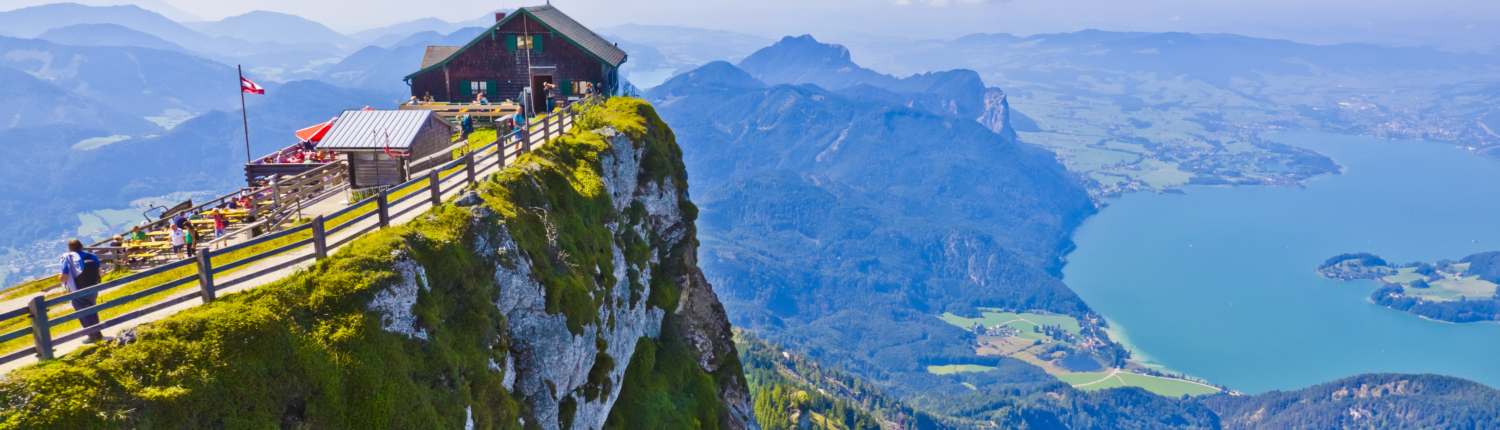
column 179, row 240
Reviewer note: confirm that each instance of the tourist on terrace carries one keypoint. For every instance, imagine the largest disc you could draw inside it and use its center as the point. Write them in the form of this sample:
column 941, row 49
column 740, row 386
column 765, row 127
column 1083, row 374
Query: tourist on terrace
column 193, row 238
column 179, row 239
column 136, row 235
column 413, row 101
column 427, row 97
column 219, row 224
column 81, row 269
column 547, row 86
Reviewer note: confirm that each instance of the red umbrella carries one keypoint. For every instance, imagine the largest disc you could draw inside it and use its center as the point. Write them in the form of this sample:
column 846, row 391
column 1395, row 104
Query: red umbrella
column 315, row 133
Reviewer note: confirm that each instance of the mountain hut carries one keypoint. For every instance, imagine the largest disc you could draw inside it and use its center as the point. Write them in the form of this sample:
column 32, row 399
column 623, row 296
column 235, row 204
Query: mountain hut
column 515, row 56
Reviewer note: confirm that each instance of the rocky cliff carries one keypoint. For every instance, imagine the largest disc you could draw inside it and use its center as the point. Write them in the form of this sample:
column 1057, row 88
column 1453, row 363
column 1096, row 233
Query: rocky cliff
column 561, row 293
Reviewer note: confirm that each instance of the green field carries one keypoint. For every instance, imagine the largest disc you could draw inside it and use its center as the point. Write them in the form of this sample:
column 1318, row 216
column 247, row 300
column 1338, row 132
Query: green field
column 956, row 368
column 1453, row 289
column 1404, row 275
column 1022, row 321
column 1162, row 386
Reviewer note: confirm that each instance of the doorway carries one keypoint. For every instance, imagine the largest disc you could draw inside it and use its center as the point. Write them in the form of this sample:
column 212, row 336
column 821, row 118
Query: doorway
column 539, row 93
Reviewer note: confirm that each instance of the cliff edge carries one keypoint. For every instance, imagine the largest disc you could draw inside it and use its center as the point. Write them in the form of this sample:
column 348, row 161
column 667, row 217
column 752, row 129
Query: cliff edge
column 561, row 293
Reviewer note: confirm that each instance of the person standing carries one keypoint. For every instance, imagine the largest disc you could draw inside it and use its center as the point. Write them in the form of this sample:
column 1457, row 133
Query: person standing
column 550, row 89
column 81, row 269
column 220, row 224
column 179, row 238
column 192, row 239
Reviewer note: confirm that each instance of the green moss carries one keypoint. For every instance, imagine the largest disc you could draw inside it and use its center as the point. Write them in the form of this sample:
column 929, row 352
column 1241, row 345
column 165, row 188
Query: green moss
column 300, row 352
column 665, row 389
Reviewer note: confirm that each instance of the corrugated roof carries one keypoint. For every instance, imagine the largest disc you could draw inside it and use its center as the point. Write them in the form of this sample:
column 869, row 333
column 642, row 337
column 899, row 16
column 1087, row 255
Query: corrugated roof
column 590, row 41
column 551, row 18
column 368, row 129
column 436, row 54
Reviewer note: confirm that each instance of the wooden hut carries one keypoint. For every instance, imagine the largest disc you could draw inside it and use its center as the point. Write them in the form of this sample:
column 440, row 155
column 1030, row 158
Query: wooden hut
column 383, row 147
column 515, row 56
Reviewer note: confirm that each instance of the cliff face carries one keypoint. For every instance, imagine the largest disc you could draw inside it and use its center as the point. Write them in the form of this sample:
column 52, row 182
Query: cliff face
column 562, row 293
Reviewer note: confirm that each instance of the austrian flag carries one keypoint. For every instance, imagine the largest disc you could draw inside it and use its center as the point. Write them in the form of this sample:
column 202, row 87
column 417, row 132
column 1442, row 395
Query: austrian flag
column 251, row 87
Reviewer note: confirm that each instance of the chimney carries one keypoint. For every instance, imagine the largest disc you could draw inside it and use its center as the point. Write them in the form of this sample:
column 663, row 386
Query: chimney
column 499, row 16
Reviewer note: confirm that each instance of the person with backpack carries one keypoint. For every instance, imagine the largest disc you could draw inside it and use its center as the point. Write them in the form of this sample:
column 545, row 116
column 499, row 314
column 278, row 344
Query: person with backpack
column 82, row 269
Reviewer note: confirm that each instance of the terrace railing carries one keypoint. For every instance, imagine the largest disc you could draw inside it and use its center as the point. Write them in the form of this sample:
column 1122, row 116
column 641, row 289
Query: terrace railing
column 207, row 276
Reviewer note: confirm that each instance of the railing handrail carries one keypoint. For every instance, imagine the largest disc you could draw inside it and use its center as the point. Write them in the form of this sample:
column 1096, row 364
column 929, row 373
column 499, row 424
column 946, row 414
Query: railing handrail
column 41, row 325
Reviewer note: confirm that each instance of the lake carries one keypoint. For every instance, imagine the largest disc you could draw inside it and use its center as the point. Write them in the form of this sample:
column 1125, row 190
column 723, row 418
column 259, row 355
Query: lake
column 1219, row 283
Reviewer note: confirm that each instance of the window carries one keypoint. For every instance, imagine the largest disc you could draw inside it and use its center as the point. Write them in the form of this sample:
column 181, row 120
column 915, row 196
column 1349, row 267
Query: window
column 517, row 42
column 478, row 87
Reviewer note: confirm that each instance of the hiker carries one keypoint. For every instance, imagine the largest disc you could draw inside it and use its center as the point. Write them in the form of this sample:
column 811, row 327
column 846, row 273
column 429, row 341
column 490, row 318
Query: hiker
column 179, row 220
column 588, row 89
column 549, row 88
column 179, row 238
column 220, row 224
column 481, row 100
column 81, row 269
column 136, row 235
column 117, row 242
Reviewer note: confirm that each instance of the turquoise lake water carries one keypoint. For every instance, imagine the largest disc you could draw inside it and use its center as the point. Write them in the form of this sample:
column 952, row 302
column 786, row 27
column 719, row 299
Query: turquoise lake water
column 1219, row 283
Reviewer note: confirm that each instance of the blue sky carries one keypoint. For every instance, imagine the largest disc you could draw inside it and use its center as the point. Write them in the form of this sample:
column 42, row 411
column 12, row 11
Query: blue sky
column 1454, row 23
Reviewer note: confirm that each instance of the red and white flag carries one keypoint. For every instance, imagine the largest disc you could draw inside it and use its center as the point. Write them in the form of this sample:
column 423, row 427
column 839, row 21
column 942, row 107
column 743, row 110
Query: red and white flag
column 251, row 87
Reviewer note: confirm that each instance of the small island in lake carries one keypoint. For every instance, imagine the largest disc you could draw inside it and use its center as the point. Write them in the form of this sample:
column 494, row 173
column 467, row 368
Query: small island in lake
column 1453, row 291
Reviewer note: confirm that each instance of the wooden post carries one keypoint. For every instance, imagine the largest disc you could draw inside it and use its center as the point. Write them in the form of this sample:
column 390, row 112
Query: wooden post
column 206, row 275
column 526, row 138
column 382, row 203
column 320, row 239
column 40, row 332
column 547, row 128
column 469, row 166
column 435, row 186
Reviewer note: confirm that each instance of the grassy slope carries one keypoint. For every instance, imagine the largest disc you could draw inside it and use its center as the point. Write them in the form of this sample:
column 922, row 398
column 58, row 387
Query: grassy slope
column 305, row 352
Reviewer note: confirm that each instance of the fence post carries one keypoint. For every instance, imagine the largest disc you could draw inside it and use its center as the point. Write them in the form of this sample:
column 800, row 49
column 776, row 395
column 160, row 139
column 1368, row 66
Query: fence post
column 382, row 204
column 526, row 138
column 206, row 275
column 320, row 239
column 469, row 165
column 40, row 332
column 435, row 186
column 547, row 127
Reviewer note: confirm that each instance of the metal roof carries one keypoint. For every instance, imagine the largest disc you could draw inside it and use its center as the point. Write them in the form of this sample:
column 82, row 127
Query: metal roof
column 549, row 17
column 436, row 54
column 368, row 129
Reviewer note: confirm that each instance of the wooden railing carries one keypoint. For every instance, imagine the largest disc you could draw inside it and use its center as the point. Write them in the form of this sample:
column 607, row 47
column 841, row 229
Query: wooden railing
column 491, row 155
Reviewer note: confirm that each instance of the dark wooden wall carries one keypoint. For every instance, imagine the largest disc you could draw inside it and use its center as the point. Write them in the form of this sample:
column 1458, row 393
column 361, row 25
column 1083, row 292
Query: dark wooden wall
column 490, row 60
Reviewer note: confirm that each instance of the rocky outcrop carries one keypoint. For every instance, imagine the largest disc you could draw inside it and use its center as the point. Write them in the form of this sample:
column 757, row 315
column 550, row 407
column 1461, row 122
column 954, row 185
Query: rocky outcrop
column 996, row 116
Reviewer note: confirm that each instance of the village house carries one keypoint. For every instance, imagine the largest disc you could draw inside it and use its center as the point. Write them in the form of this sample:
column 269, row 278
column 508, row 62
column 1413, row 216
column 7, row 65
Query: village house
column 515, row 57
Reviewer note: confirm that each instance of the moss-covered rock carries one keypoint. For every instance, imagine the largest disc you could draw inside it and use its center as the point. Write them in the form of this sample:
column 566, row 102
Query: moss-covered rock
column 526, row 307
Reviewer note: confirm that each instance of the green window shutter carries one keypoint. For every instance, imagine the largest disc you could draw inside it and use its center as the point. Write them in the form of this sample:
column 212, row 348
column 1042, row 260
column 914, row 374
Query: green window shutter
column 566, row 87
column 464, row 88
column 510, row 42
column 536, row 43
column 490, row 90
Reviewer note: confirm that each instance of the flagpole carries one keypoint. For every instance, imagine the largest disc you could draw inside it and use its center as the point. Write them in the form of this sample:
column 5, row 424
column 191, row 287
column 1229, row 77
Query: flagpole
column 244, row 115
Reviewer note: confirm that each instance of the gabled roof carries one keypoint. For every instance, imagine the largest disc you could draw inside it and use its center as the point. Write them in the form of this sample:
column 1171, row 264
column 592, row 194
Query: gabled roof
column 551, row 18
column 585, row 38
column 436, row 54
column 367, row 129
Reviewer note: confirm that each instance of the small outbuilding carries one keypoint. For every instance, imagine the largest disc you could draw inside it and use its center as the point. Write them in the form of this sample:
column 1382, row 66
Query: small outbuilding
column 515, row 57
column 383, row 147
